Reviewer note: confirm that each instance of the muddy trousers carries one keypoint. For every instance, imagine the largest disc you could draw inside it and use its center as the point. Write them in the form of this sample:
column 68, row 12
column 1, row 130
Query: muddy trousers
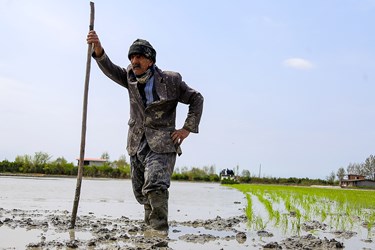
column 151, row 175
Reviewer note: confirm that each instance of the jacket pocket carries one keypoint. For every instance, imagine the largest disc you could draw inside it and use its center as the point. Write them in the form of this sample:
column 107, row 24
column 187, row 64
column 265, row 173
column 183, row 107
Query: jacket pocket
column 160, row 141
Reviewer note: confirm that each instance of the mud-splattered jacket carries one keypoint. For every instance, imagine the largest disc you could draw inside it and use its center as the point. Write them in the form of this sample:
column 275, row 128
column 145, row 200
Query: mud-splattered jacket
column 157, row 120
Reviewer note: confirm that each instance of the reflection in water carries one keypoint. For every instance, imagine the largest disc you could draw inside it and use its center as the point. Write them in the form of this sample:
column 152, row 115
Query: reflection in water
column 114, row 198
column 72, row 234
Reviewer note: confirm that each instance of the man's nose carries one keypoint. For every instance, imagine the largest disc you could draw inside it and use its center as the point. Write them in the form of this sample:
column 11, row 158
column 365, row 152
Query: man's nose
column 134, row 59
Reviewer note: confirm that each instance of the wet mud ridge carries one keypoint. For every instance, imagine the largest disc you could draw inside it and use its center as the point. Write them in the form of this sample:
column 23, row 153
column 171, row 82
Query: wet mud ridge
column 92, row 232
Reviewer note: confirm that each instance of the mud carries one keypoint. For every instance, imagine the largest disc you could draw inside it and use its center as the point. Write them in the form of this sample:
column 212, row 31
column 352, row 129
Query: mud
column 35, row 214
column 92, row 232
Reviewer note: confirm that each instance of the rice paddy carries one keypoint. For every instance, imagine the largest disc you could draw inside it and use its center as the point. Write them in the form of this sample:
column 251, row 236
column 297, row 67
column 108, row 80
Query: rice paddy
column 291, row 209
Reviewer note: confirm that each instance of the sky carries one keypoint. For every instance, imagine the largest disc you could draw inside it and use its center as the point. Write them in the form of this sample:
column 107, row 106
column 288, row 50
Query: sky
column 288, row 85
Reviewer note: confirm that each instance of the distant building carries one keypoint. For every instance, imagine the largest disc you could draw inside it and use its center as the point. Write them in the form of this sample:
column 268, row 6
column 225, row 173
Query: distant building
column 355, row 180
column 93, row 161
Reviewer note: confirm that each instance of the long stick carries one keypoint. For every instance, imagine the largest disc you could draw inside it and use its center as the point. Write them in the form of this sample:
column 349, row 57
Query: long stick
column 84, row 119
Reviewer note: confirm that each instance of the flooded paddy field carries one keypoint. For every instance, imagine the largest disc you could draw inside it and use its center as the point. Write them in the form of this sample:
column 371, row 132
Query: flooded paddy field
column 345, row 216
column 35, row 214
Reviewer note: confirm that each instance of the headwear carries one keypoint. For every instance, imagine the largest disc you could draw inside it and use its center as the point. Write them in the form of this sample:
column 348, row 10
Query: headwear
column 142, row 47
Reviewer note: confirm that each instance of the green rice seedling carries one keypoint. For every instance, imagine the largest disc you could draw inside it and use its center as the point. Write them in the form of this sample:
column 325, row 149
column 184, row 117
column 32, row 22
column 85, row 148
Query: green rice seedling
column 342, row 207
column 369, row 219
column 287, row 204
column 323, row 215
column 295, row 226
column 285, row 223
column 277, row 217
column 267, row 204
column 259, row 223
column 249, row 208
column 370, row 223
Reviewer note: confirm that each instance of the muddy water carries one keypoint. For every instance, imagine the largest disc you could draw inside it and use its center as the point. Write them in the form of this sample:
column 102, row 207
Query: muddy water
column 35, row 213
column 110, row 199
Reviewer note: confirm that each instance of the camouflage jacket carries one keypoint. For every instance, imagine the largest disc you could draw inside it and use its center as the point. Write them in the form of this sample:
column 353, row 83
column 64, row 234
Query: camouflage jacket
column 157, row 120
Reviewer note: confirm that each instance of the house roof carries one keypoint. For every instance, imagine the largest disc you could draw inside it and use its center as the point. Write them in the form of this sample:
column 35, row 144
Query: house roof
column 93, row 159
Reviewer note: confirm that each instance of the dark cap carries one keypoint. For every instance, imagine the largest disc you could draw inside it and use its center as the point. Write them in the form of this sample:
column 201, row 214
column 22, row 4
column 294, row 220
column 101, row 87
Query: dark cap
column 142, row 47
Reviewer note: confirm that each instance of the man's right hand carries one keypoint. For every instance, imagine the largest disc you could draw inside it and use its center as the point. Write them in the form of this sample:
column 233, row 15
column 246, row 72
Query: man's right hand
column 92, row 38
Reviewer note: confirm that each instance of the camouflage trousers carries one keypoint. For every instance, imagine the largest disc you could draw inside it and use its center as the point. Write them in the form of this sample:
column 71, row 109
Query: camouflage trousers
column 150, row 171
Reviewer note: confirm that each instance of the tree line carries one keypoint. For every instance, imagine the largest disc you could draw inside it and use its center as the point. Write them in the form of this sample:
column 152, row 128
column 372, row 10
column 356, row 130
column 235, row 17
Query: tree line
column 42, row 163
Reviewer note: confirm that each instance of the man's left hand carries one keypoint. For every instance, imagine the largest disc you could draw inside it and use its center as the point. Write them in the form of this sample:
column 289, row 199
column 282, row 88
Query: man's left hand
column 179, row 135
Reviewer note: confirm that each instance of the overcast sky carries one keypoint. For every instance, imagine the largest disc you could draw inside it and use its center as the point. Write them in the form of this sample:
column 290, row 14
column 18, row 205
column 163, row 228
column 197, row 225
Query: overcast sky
column 288, row 85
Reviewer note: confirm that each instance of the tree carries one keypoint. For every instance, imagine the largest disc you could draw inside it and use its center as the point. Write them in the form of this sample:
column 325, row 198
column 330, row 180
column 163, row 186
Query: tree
column 245, row 173
column 39, row 161
column 369, row 167
column 25, row 163
column 121, row 162
column 105, row 156
column 196, row 174
column 340, row 173
column 41, row 158
column 7, row 166
column 331, row 177
column 206, row 169
column 61, row 160
column 122, row 168
column 209, row 170
column 212, row 170
column 184, row 170
column 59, row 166
column 355, row 168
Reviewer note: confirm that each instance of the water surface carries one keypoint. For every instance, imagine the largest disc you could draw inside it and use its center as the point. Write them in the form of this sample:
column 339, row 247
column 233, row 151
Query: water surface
column 113, row 197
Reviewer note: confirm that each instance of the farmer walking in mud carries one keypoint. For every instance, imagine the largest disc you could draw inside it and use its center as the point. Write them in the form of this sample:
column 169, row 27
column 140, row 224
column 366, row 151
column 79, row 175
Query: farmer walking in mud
column 153, row 141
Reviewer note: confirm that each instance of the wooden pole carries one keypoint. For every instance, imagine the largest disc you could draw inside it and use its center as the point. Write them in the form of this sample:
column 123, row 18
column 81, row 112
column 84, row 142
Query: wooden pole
column 84, row 119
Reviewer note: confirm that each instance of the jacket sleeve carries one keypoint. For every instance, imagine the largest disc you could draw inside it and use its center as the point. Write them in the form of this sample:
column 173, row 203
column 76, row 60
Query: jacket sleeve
column 195, row 101
column 114, row 72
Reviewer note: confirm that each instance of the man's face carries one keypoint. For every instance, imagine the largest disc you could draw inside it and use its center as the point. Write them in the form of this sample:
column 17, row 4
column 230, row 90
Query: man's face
column 140, row 63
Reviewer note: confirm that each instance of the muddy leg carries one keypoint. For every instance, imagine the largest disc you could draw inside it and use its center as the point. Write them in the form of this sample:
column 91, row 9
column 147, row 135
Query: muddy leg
column 159, row 213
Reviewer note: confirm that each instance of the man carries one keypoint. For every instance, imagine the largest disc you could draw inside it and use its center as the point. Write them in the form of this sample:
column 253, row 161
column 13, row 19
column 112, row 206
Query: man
column 153, row 140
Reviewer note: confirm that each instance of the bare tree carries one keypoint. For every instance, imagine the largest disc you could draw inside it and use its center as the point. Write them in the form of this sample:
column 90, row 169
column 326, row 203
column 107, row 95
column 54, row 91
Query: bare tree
column 212, row 170
column 369, row 167
column 331, row 177
column 206, row 169
column 366, row 169
column 41, row 158
column 184, row 170
column 356, row 168
column 340, row 173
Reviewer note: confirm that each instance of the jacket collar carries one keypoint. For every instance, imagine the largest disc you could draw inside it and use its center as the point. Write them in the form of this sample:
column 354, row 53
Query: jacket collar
column 159, row 81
